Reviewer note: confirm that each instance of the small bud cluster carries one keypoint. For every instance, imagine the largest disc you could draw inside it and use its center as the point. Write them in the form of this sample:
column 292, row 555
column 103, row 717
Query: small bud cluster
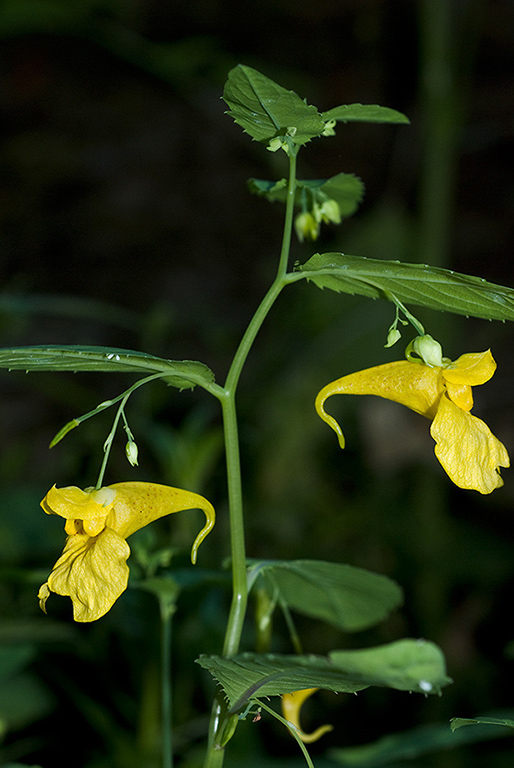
column 307, row 224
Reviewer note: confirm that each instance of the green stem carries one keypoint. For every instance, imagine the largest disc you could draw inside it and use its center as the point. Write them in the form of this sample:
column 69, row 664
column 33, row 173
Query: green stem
column 123, row 398
column 167, row 743
column 237, row 540
column 292, row 730
column 288, row 221
column 109, row 441
column 227, row 397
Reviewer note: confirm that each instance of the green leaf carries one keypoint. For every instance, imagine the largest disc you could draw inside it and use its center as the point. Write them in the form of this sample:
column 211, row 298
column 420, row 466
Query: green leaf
column 350, row 598
column 406, row 665
column 184, row 374
column 345, row 188
column 458, row 722
column 364, row 113
column 420, row 284
column 264, row 109
column 413, row 743
column 271, row 190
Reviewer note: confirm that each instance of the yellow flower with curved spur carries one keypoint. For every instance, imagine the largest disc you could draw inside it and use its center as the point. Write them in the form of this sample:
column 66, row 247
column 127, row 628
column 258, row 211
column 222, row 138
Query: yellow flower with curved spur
column 466, row 448
column 291, row 706
column 92, row 569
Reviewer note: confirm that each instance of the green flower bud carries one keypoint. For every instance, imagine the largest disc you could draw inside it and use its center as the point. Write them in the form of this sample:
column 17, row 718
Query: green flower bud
column 393, row 336
column 329, row 128
column 275, row 144
column 131, row 452
column 330, row 211
column 306, row 227
column 429, row 350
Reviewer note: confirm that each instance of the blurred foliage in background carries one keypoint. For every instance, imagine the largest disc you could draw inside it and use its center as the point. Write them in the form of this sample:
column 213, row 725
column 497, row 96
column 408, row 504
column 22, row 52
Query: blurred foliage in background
column 124, row 221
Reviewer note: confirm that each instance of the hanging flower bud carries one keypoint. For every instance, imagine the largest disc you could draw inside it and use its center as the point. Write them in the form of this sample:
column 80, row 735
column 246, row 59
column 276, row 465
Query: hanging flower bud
column 131, row 452
column 306, row 227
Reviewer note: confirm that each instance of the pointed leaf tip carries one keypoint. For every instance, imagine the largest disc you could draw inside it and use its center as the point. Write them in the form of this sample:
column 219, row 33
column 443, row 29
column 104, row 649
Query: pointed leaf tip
column 266, row 110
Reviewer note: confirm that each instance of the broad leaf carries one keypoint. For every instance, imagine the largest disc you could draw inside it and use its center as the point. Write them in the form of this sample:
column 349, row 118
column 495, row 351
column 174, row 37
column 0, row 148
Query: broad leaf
column 413, row 743
column 350, row 598
column 264, row 109
column 458, row 722
column 183, row 374
column 407, row 665
column 364, row 113
column 420, row 284
column 345, row 188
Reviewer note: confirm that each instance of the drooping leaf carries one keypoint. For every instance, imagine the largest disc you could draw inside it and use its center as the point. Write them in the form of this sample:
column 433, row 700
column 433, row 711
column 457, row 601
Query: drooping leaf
column 345, row 188
column 407, row 745
column 184, row 374
column 458, row 722
column 406, row 665
column 350, row 598
column 365, row 113
column 420, row 284
column 265, row 109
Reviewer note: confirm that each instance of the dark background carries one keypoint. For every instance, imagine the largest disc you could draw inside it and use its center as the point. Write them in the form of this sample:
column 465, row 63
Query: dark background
column 125, row 221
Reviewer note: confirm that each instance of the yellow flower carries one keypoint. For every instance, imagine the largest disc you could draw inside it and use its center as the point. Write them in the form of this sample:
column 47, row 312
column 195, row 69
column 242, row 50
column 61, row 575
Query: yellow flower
column 92, row 569
column 291, row 706
column 466, row 448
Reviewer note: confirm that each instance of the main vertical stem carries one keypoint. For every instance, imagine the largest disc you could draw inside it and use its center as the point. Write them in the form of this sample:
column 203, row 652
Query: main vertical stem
column 235, row 494
column 214, row 757
column 237, row 540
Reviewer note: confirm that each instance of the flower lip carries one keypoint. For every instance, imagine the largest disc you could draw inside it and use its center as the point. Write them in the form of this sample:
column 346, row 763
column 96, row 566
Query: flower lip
column 74, row 503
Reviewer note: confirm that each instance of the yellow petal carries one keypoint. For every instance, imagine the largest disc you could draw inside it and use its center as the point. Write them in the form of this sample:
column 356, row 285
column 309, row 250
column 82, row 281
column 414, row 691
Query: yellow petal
column 73, row 526
column 291, row 706
column 74, row 503
column 415, row 385
column 137, row 504
column 473, row 368
column 92, row 571
column 94, row 526
column 467, row 449
column 43, row 595
column 461, row 394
